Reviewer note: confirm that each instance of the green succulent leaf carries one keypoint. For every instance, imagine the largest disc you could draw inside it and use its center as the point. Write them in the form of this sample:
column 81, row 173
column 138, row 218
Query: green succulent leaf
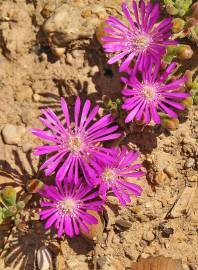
column 9, row 212
column 8, row 196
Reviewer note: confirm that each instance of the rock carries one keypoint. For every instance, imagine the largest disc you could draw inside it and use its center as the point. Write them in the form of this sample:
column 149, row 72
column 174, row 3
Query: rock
column 183, row 204
column 60, row 262
column 94, row 70
column 26, row 147
column 160, row 178
column 36, row 97
column 157, row 263
column 148, row 236
column 170, row 171
column 44, row 259
column 189, row 163
column 75, row 264
column 101, row 261
column 12, row 134
column 69, row 22
column 58, row 52
column 123, row 223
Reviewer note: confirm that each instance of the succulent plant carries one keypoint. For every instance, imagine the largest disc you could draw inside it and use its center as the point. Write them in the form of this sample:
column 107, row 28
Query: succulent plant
column 180, row 51
column 194, row 90
column 169, row 123
column 114, row 108
column 177, row 7
column 11, row 206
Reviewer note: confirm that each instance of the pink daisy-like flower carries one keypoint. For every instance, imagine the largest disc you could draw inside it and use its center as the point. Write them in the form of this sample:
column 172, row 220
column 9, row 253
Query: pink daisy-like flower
column 145, row 98
column 112, row 177
column 66, row 207
column 73, row 146
column 144, row 38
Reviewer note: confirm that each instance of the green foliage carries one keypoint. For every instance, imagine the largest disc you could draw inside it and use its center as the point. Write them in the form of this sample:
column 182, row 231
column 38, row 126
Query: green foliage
column 178, row 7
column 11, row 207
column 115, row 109
column 194, row 90
column 180, row 51
column 8, row 196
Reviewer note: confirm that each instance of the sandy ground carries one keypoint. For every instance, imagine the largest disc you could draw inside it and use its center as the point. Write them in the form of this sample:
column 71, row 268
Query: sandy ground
column 32, row 77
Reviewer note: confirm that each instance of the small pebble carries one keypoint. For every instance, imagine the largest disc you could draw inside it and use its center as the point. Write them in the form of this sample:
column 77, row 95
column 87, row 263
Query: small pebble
column 12, row 134
column 170, row 171
column 101, row 261
column 148, row 236
column 58, row 52
column 189, row 163
column 36, row 97
column 26, row 147
column 94, row 70
column 123, row 223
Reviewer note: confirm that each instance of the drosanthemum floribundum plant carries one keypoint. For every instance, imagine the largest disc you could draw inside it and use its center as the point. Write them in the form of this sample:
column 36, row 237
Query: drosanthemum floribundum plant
column 147, row 97
column 113, row 176
column 66, row 207
column 74, row 145
column 144, row 40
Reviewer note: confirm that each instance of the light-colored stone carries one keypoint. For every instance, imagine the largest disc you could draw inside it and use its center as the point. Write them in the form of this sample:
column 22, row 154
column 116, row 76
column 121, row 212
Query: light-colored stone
column 68, row 23
column 189, row 163
column 184, row 202
column 148, row 236
column 26, row 147
column 12, row 134
column 44, row 259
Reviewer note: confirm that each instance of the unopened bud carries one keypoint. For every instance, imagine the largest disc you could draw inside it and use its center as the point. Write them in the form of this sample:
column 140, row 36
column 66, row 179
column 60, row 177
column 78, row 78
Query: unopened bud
column 187, row 102
column 8, row 195
column 188, row 74
column 184, row 52
column 178, row 25
column 170, row 123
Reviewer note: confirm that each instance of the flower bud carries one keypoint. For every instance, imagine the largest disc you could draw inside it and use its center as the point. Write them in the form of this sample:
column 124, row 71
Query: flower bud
column 178, row 25
column 170, row 123
column 188, row 74
column 187, row 102
column 34, row 185
column 184, row 52
column 8, row 195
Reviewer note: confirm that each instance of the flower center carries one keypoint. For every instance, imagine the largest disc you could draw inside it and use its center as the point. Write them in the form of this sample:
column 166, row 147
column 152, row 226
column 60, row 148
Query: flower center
column 67, row 206
column 109, row 174
column 75, row 144
column 139, row 41
column 142, row 41
column 149, row 92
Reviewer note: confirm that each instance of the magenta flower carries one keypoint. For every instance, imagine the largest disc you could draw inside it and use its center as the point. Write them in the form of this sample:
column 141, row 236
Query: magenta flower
column 112, row 177
column 144, row 38
column 145, row 98
column 67, row 207
column 73, row 146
